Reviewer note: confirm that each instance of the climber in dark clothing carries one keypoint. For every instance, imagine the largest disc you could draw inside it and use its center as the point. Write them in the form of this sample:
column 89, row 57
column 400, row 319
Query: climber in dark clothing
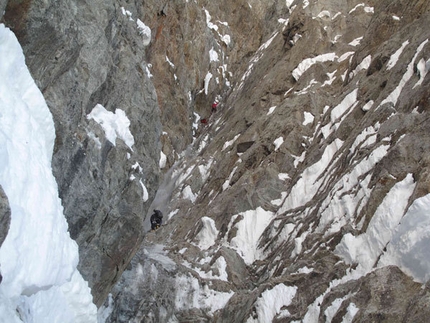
column 156, row 219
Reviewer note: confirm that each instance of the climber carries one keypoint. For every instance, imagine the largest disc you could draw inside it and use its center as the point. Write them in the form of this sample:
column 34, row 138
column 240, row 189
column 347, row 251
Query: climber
column 214, row 106
column 156, row 220
column 204, row 121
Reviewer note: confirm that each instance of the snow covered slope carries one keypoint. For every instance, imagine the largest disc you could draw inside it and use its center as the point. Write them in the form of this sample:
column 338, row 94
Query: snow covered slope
column 38, row 258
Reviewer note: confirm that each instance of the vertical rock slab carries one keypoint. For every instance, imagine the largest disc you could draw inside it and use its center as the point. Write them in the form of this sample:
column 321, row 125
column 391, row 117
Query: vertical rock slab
column 4, row 216
column 83, row 54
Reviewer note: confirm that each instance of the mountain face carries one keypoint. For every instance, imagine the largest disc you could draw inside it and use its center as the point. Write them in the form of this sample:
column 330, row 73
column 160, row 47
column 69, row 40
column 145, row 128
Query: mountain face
column 300, row 199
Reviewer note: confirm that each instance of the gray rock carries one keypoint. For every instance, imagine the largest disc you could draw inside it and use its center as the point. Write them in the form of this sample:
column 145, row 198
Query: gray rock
column 3, row 4
column 304, row 257
column 4, row 216
column 244, row 146
column 83, row 54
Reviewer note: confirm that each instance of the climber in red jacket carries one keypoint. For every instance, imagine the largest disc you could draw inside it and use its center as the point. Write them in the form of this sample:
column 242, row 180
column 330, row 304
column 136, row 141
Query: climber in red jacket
column 214, row 106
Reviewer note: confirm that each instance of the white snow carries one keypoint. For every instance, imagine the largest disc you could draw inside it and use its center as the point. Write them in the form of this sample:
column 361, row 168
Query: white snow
column 423, row 67
column 269, row 304
column 157, row 253
column 350, row 313
column 367, row 106
column 147, row 70
column 289, row 3
column 172, row 214
column 308, row 118
column 38, row 258
column 330, row 78
column 364, row 65
column 367, row 247
column 324, row 14
column 170, row 62
column 145, row 195
column 208, row 78
column 356, row 41
column 362, row 5
column 190, row 294
column 305, row 270
column 208, row 234
column 339, row 207
column 209, row 23
column 409, row 246
column 213, row 55
column 283, row 176
column 339, row 112
column 114, row 124
column 226, row 39
column 393, row 96
column 136, row 166
column 345, row 56
column 204, row 170
column 220, row 265
column 331, row 310
column 144, row 31
column 306, row 187
column 299, row 159
column 271, row 110
column 249, row 231
column 278, row 142
column 395, row 57
column 228, row 180
column 126, row 13
column 305, row 3
column 163, row 160
column 187, row 193
column 278, row 202
column 308, row 62
column 230, row 142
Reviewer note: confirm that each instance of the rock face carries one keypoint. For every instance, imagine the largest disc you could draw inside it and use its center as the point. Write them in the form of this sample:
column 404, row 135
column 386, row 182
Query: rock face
column 80, row 55
column 4, row 219
column 322, row 121
column 4, row 215
column 321, row 127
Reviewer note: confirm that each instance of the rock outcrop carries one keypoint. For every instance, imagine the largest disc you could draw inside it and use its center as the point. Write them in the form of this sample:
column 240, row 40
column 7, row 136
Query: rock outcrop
column 4, row 215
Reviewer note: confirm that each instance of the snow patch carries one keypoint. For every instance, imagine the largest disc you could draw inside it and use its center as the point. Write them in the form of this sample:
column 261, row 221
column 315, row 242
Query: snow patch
column 208, row 234
column 269, row 304
column 308, row 118
column 367, row 247
column 144, row 31
column 308, row 62
column 409, row 247
column 114, row 124
column 278, row 142
column 249, row 230
column 395, row 57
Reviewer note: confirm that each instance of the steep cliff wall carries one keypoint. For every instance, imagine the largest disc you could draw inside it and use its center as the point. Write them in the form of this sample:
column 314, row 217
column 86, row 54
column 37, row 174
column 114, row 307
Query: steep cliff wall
column 83, row 54
column 147, row 64
column 287, row 205
column 294, row 189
